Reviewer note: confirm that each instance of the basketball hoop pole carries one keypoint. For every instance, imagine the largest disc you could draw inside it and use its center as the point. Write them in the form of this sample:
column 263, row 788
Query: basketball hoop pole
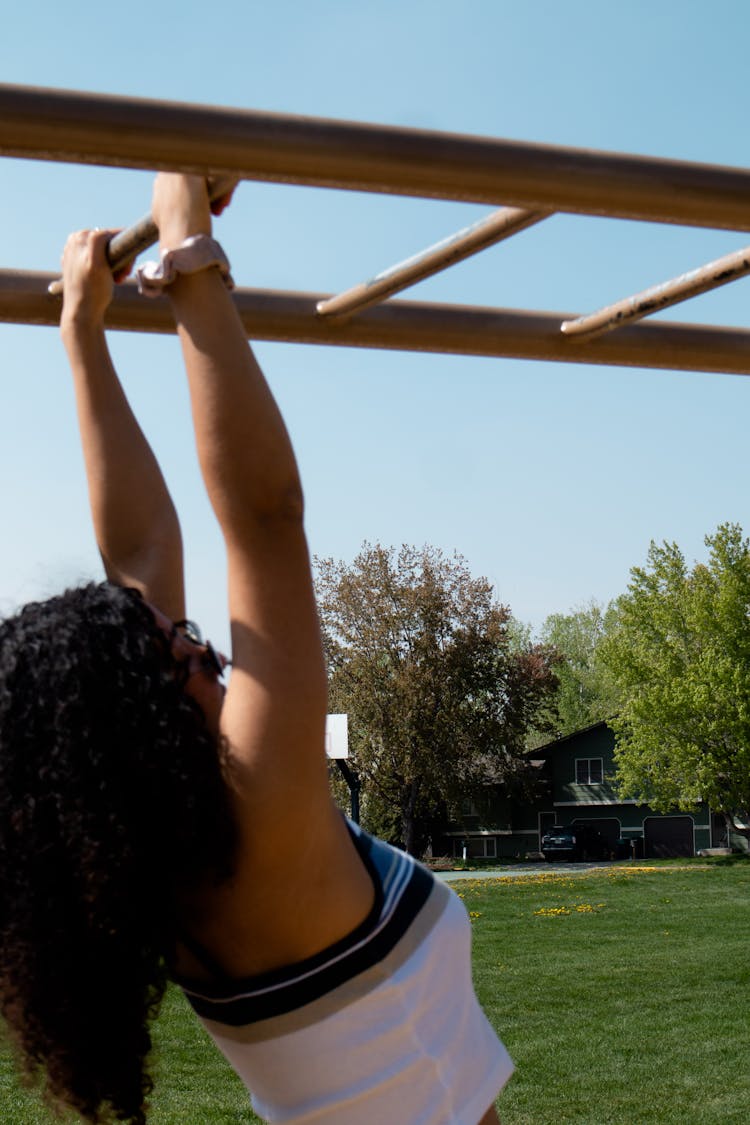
column 354, row 784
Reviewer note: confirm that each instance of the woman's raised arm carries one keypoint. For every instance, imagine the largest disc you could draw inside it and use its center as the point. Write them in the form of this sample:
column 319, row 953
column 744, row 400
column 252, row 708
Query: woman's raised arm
column 274, row 713
column 135, row 523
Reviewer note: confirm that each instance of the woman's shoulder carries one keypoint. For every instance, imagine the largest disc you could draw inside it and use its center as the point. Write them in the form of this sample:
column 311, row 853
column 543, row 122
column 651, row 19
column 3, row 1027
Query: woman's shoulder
column 284, row 905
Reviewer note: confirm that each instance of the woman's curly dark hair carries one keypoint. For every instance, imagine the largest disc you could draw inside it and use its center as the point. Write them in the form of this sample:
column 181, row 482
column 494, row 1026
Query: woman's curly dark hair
column 112, row 805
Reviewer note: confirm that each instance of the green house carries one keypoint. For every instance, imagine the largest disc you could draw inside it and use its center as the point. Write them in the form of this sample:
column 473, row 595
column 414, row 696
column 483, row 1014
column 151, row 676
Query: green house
column 575, row 784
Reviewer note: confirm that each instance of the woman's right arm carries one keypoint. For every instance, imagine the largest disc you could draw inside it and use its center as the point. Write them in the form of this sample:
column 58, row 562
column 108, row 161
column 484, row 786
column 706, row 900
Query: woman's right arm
column 274, row 713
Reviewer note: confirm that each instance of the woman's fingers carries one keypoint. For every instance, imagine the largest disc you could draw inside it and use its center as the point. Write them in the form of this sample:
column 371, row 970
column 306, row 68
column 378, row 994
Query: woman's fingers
column 88, row 247
column 222, row 201
column 87, row 279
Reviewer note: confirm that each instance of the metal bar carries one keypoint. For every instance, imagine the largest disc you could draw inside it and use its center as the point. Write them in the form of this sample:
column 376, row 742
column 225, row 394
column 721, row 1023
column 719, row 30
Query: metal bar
column 719, row 272
column 127, row 244
column 413, row 326
column 486, row 232
column 138, row 133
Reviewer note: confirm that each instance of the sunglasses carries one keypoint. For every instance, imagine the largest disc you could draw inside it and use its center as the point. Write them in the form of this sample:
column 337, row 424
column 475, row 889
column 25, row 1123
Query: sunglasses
column 191, row 631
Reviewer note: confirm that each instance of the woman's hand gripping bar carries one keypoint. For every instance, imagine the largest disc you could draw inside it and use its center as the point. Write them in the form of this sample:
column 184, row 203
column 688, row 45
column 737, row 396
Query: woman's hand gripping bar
column 125, row 246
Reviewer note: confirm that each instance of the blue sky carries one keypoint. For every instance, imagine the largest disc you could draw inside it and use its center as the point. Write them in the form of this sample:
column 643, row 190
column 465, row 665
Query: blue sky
column 550, row 479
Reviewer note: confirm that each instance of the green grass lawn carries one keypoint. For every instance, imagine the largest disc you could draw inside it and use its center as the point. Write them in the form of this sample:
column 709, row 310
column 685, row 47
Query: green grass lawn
column 623, row 996
column 630, row 1004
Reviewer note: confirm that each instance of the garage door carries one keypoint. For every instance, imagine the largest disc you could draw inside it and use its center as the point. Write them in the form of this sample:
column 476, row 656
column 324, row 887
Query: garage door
column 667, row 836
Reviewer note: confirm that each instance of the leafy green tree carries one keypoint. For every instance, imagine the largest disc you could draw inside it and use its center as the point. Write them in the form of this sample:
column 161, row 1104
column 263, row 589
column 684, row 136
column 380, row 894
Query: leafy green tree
column 439, row 699
column 681, row 655
column 587, row 692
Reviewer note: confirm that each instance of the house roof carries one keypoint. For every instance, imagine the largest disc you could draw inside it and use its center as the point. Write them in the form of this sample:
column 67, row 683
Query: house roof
column 556, row 742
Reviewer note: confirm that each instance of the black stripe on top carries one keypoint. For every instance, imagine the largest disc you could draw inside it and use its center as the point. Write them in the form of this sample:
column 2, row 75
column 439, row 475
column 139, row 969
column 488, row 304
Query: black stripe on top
column 238, row 1003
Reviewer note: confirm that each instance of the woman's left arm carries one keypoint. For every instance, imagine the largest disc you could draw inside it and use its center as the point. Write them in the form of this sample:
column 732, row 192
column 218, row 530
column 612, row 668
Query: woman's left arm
column 135, row 522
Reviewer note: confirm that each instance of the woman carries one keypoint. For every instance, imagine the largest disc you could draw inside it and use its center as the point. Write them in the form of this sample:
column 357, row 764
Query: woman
column 152, row 825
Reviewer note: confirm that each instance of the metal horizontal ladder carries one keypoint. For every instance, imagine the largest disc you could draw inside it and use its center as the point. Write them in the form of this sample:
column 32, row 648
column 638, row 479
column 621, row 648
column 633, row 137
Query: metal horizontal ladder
column 530, row 181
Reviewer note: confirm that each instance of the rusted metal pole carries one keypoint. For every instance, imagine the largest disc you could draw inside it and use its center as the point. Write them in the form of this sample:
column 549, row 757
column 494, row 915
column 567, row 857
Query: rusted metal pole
column 412, row 326
column 486, row 232
column 137, row 133
column 716, row 273
column 127, row 244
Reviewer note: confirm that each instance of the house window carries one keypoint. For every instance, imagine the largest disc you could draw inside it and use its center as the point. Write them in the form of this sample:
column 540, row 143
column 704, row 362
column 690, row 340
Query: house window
column 589, row 771
column 477, row 847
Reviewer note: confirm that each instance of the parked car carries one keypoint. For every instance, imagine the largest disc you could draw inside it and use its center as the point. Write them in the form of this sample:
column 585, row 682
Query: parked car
column 575, row 843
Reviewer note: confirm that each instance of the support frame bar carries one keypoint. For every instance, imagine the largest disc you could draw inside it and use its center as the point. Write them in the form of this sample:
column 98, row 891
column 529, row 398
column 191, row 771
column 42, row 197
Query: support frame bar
column 455, row 248
column 412, row 326
column 104, row 129
column 721, row 271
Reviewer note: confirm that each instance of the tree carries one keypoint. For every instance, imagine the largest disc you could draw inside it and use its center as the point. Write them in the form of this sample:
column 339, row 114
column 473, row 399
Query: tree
column 586, row 691
column 681, row 655
column 439, row 699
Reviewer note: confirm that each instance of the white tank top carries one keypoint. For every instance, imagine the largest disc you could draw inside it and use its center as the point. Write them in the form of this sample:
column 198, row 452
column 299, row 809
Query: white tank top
column 382, row 1028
